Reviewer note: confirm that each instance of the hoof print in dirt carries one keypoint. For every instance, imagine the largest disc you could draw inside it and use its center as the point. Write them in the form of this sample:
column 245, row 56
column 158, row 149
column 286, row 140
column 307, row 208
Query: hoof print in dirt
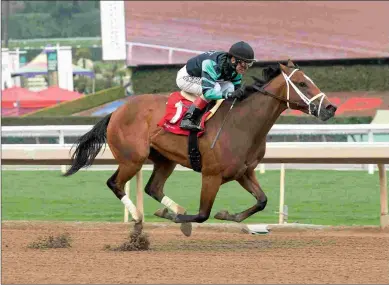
column 60, row 241
column 136, row 241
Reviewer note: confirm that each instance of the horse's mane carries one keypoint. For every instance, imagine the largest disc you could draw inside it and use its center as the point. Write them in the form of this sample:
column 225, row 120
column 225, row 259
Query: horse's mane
column 268, row 74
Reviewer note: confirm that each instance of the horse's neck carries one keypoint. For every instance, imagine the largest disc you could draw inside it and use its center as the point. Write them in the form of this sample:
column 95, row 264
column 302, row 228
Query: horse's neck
column 264, row 111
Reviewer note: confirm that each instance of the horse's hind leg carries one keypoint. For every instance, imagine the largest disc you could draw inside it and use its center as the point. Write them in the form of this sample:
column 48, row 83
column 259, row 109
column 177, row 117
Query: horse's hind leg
column 250, row 183
column 127, row 137
column 117, row 182
column 163, row 168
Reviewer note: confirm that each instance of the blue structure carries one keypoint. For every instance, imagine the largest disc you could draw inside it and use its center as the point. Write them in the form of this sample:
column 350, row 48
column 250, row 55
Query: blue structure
column 109, row 108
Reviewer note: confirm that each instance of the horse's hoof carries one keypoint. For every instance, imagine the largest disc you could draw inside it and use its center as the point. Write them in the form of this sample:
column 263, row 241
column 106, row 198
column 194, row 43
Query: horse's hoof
column 222, row 215
column 161, row 212
column 186, row 229
column 138, row 227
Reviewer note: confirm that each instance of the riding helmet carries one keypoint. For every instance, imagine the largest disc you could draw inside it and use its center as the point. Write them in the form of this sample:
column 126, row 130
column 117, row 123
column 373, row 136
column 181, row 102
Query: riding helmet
column 242, row 50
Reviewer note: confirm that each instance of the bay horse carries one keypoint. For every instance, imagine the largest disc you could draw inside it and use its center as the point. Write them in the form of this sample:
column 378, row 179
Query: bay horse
column 133, row 136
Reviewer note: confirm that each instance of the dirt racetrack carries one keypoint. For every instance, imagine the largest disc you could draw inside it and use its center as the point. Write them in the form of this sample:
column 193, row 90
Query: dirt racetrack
column 210, row 255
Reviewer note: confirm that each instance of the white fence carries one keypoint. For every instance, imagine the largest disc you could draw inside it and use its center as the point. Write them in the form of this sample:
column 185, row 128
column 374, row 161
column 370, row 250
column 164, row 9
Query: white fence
column 51, row 154
column 61, row 131
column 280, row 129
column 171, row 50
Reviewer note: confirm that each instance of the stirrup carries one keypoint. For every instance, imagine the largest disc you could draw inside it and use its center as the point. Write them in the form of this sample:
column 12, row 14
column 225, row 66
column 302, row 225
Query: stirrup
column 187, row 124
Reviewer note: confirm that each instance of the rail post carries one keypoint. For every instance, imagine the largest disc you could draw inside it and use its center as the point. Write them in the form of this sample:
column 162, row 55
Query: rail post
column 62, row 143
column 384, row 218
column 282, row 194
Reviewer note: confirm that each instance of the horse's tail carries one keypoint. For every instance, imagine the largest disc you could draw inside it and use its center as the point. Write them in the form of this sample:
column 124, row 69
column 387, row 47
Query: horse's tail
column 88, row 146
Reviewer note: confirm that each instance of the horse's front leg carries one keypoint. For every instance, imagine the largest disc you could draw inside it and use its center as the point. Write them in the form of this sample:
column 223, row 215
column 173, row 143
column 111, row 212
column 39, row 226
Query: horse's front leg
column 210, row 187
column 250, row 183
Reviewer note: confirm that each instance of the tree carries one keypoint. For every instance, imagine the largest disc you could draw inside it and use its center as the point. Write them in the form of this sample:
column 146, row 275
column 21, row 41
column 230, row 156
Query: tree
column 5, row 8
column 45, row 19
column 86, row 25
column 33, row 25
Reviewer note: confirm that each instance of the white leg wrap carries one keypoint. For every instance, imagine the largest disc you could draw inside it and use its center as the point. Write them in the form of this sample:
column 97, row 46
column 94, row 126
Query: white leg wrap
column 170, row 204
column 130, row 207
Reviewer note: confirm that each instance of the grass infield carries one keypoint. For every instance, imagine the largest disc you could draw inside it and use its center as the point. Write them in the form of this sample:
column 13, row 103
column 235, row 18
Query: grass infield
column 314, row 197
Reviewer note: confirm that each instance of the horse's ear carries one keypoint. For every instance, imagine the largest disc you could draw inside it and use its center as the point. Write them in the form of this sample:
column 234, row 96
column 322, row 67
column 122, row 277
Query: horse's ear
column 284, row 68
column 290, row 64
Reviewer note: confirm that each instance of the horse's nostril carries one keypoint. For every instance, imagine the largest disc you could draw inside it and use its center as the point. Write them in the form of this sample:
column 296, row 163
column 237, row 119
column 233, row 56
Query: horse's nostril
column 331, row 108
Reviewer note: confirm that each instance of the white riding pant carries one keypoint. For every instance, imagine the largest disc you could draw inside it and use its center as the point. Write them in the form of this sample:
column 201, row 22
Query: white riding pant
column 192, row 84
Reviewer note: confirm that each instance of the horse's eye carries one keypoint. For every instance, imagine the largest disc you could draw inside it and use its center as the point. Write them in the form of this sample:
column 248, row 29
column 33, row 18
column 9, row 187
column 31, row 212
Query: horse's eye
column 302, row 84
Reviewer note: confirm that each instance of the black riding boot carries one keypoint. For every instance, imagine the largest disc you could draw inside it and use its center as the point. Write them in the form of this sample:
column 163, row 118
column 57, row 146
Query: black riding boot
column 192, row 119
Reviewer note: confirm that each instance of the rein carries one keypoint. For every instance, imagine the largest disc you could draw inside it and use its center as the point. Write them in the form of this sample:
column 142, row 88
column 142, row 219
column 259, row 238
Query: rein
column 264, row 92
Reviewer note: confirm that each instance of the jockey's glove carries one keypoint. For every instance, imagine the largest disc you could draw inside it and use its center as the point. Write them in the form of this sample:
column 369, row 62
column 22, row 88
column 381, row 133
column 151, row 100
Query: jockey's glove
column 238, row 94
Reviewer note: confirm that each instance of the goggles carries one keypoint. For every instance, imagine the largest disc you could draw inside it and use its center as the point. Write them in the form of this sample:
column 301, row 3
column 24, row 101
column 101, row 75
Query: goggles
column 245, row 64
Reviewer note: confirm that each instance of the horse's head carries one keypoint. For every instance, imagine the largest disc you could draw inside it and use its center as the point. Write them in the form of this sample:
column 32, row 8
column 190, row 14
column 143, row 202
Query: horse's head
column 300, row 89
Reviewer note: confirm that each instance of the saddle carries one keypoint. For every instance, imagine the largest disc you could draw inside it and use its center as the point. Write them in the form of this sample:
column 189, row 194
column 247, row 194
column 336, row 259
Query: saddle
column 176, row 107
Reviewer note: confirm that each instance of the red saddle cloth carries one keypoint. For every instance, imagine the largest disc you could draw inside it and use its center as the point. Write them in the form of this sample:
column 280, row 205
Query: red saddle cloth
column 176, row 107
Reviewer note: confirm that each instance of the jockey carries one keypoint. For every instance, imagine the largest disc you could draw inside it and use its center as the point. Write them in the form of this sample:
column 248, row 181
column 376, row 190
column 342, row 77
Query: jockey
column 213, row 75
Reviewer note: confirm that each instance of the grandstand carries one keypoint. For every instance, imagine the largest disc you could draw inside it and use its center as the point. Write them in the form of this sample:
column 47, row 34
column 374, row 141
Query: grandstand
column 276, row 31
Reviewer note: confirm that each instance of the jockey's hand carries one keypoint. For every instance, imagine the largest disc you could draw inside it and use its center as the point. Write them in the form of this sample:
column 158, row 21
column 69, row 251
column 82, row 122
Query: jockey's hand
column 238, row 94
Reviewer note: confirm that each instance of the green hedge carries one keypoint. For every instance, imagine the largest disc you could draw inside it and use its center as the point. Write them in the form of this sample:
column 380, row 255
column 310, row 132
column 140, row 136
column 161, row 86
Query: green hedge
column 329, row 78
column 78, row 120
column 305, row 119
column 155, row 80
column 41, row 121
column 85, row 103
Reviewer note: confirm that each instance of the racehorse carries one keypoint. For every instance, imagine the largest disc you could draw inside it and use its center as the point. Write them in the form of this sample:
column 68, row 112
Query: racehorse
column 133, row 136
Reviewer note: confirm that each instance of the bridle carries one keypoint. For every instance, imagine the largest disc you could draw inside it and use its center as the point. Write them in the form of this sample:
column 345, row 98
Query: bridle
column 289, row 82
